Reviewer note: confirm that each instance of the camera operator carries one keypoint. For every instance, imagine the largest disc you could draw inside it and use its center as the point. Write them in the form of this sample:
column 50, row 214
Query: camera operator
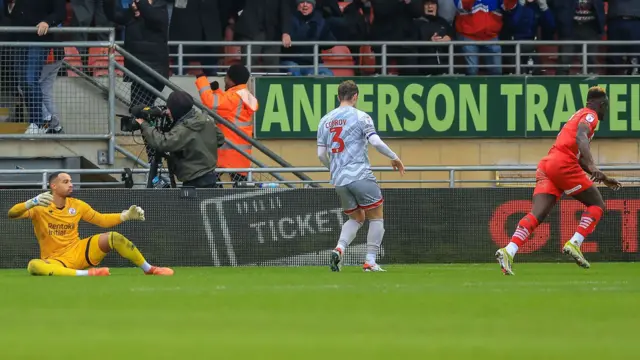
column 193, row 154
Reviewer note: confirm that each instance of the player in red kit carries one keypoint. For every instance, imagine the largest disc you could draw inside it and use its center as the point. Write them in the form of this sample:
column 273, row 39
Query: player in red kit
column 563, row 171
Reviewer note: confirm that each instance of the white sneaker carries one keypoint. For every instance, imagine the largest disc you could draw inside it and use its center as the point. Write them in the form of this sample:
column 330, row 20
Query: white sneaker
column 34, row 129
column 372, row 267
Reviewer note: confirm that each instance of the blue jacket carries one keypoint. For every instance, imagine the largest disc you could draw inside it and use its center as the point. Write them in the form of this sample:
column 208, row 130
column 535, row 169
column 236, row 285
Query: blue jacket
column 523, row 22
column 566, row 9
column 309, row 28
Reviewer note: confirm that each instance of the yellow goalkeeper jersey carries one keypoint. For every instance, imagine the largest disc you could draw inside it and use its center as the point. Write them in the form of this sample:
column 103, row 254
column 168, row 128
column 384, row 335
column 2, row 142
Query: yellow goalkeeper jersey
column 57, row 229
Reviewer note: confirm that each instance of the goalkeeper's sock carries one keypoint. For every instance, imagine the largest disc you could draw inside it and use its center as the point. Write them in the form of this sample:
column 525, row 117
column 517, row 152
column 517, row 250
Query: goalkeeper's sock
column 128, row 250
column 348, row 233
column 374, row 239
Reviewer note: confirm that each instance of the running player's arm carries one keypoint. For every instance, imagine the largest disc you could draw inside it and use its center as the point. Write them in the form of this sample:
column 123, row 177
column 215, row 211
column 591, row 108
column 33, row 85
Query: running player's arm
column 585, row 127
column 103, row 220
column 369, row 132
column 323, row 155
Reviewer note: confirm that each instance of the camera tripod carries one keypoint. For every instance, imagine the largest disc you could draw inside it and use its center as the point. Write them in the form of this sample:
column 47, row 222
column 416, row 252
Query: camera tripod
column 155, row 169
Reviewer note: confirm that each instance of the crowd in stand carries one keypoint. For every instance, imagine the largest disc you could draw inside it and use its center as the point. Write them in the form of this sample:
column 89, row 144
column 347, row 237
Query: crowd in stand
column 433, row 21
column 427, row 21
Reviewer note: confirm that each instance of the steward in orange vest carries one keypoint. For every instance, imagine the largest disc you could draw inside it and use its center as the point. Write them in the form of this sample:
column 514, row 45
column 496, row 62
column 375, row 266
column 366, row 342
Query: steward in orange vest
column 237, row 105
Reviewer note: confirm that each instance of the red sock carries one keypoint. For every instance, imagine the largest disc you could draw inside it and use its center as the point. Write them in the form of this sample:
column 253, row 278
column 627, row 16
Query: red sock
column 525, row 228
column 589, row 220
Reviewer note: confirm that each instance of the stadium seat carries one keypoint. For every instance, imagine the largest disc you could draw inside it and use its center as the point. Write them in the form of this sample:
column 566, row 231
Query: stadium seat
column 340, row 56
column 72, row 57
column 99, row 62
column 367, row 58
column 194, row 69
column 234, row 51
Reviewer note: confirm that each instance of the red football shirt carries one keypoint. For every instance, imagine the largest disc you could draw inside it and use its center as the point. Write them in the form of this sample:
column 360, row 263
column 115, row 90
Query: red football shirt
column 566, row 145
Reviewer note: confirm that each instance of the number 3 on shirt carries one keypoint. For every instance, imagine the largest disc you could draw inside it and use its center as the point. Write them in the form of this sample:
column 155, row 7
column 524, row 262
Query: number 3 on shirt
column 336, row 139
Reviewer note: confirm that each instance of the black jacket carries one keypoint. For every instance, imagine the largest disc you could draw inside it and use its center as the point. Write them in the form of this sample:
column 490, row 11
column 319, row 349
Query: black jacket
column 426, row 27
column 193, row 144
column 393, row 19
column 146, row 37
column 32, row 12
column 307, row 28
column 273, row 17
column 199, row 21
column 564, row 10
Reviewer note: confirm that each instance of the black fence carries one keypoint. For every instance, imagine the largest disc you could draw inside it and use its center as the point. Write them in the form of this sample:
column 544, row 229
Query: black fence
column 296, row 227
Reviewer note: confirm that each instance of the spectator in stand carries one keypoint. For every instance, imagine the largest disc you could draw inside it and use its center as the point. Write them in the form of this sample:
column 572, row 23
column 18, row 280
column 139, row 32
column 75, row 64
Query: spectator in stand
column 477, row 21
column 352, row 25
column 146, row 38
column 264, row 20
column 197, row 21
column 523, row 23
column 306, row 25
column 47, row 81
column 393, row 21
column 578, row 20
column 433, row 28
column 623, row 23
column 39, row 15
column 86, row 13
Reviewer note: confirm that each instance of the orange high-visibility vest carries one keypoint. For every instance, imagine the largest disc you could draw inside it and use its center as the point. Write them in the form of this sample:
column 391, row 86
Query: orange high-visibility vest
column 237, row 105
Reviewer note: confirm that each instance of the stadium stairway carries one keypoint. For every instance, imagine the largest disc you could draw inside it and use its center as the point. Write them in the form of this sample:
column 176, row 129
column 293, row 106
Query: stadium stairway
column 82, row 104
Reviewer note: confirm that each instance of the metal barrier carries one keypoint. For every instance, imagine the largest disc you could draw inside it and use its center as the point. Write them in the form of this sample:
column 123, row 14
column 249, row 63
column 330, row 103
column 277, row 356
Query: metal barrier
column 31, row 101
column 400, row 50
column 272, row 155
column 451, row 170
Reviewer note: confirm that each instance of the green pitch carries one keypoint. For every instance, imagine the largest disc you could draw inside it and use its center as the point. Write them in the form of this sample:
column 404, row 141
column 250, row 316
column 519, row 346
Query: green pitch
column 471, row 312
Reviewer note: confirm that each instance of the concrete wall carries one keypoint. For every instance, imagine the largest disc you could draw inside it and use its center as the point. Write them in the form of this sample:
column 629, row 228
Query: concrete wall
column 83, row 107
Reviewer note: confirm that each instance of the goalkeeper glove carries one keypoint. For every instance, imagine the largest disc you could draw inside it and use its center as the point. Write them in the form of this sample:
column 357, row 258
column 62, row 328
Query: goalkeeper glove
column 133, row 213
column 43, row 199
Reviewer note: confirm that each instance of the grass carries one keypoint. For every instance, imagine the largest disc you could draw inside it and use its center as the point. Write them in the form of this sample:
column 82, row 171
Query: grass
column 547, row 311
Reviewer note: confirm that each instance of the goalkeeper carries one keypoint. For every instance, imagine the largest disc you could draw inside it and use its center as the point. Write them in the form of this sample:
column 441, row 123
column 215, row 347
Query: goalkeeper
column 55, row 216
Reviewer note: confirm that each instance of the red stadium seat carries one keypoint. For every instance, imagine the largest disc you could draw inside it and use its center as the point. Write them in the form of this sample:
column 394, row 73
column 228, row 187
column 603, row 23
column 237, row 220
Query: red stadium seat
column 367, row 58
column 99, row 62
column 72, row 57
column 197, row 69
column 235, row 52
column 340, row 56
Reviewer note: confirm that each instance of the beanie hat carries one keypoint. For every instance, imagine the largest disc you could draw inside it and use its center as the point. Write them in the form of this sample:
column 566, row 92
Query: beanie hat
column 312, row 2
column 179, row 103
column 238, row 73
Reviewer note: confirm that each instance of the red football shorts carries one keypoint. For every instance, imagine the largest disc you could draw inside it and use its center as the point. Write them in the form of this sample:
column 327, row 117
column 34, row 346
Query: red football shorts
column 557, row 175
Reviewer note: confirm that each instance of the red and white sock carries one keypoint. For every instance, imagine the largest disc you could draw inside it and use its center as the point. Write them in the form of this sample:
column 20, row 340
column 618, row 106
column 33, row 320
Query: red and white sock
column 525, row 228
column 588, row 222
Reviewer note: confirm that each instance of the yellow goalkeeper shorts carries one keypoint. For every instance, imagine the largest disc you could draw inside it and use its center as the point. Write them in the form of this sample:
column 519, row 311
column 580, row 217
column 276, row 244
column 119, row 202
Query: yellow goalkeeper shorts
column 83, row 254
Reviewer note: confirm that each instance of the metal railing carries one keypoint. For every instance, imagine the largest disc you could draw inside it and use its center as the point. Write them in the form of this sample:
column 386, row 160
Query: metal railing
column 452, row 51
column 452, row 171
column 85, row 129
column 218, row 119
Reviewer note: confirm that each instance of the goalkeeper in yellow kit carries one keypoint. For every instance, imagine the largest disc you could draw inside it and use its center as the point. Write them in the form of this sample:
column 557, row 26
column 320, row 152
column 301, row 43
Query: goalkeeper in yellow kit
column 55, row 216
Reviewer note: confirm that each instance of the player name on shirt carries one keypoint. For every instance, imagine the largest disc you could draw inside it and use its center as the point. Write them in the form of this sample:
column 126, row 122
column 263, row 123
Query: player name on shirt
column 334, row 123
